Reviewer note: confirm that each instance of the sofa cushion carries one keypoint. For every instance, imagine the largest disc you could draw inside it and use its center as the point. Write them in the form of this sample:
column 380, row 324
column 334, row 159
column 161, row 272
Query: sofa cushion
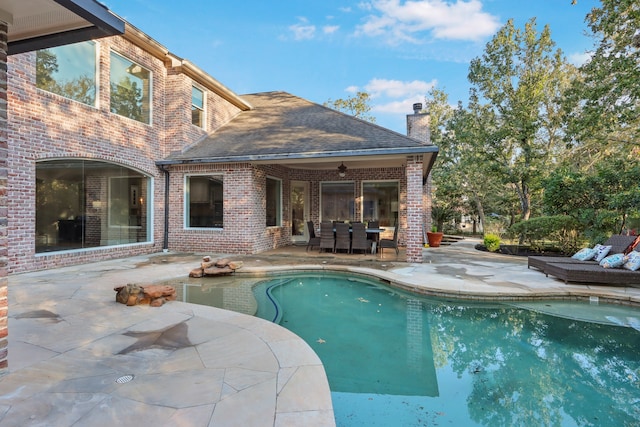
column 613, row 261
column 633, row 261
column 601, row 252
column 584, row 254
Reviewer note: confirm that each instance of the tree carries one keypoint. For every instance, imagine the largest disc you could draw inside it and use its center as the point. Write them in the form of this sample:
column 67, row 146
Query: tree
column 601, row 200
column 357, row 106
column 522, row 78
column 605, row 101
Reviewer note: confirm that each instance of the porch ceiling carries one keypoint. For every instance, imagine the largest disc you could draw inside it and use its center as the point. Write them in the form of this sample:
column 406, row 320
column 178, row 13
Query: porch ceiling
column 40, row 24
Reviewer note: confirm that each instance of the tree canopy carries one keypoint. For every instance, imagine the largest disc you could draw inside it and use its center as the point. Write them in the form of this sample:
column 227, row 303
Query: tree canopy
column 562, row 140
column 521, row 77
column 357, row 106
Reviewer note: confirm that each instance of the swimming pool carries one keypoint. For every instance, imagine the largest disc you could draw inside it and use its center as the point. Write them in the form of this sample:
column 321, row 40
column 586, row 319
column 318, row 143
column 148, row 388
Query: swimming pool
column 394, row 358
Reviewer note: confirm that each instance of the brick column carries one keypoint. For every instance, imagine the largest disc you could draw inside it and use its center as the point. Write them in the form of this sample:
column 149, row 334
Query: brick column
column 418, row 127
column 4, row 305
column 414, row 209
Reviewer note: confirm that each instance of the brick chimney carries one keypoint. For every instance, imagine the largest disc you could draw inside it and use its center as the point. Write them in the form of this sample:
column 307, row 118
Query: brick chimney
column 418, row 124
column 418, row 129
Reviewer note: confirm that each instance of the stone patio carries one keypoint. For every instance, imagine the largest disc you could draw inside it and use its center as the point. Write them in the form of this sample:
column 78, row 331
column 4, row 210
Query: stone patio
column 72, row 348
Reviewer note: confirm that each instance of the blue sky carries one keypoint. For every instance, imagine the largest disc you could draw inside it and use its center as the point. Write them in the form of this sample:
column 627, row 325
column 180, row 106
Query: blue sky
column 328, row 49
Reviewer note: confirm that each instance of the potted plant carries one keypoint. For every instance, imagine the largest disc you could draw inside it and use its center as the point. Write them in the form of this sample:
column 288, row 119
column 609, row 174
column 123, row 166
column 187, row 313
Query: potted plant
column 434, row 237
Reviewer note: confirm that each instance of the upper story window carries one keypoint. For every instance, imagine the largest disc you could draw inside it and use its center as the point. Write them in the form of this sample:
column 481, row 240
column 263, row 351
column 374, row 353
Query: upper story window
column 69, row 71
column 197, row 107
column 130, row 89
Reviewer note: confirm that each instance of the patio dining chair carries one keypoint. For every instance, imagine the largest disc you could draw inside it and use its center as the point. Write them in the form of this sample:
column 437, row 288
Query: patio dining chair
column 327, row 240
column 359, row 241
column 390, row 243
column 373, row 236
column 343, row 237
column 313, row 239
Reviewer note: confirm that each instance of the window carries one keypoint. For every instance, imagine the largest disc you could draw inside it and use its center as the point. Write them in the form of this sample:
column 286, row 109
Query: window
column 197, row 107
column 274, row 202
column 380, row 202
column 204, row 198
column 337, row 201
column 125, row 201
column 84, row 204
column 130, row 89
column 69, row 71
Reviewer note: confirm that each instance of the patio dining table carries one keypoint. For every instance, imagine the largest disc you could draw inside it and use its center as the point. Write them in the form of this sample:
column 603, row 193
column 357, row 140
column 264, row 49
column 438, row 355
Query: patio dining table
column 375, row 231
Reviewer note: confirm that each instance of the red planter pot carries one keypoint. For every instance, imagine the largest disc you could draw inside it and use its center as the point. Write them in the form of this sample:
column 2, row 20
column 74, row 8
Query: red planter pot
column 434, row 238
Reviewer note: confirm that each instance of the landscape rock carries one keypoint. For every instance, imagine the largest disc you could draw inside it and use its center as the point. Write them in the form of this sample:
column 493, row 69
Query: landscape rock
column 135, row 294
column 219, row 267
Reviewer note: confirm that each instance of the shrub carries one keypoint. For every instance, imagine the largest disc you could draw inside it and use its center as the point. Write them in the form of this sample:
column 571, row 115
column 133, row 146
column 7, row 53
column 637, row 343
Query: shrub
column 492, row 242
column 563, row 229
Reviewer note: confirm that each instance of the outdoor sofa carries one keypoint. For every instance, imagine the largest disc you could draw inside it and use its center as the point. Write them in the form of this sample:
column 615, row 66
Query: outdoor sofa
column 572, row 270
column 593, row 273
column 617, row 242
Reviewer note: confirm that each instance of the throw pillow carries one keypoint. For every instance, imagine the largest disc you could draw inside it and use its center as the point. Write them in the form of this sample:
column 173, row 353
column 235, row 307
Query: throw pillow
column 601, row 252
column 584, row 254
column 613, row 261
column 633, row 262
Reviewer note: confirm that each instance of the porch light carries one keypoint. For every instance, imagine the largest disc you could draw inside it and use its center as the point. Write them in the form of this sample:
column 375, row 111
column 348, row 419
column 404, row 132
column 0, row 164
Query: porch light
column 342, row 170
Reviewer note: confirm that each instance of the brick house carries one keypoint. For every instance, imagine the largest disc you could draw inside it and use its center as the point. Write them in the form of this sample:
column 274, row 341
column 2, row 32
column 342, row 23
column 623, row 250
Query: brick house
column 118, row 147
column 27, row 25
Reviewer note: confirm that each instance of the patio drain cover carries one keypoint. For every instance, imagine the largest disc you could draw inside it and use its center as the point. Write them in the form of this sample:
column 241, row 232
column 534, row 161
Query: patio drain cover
column 124, row 379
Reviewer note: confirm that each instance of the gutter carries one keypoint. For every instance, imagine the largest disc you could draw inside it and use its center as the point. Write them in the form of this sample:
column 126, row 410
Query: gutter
column 309, row 155
column 165, row 236
column 143, row 41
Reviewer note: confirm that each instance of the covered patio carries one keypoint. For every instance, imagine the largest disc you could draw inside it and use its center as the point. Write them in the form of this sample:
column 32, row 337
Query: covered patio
column 288, row 161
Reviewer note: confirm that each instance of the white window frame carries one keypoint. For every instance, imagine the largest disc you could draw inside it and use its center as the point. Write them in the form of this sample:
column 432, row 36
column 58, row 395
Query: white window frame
column 96, row 76
column 150, row 87
column 203, row 108
column 187, row 200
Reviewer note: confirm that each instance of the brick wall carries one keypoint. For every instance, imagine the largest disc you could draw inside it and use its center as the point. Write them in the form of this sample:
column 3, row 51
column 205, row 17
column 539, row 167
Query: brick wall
column 244, row 229
column 414, row 209
column 43, row 125
column 178, row 108
column 4, row 305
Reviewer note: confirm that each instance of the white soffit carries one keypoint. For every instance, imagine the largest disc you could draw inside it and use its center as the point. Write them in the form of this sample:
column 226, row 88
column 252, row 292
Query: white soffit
column 55, row 22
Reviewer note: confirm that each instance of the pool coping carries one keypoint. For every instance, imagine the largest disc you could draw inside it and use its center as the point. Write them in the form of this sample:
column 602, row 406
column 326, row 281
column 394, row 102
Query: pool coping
column 67, row 334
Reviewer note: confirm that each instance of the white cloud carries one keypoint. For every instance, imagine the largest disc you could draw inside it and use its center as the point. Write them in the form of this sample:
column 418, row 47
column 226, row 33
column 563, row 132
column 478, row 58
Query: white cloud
column 404, row 106
column 398, row 89
column 352, row 89
column 303, row 30
column 408, row 21
column 579, row 59
column 330, row 29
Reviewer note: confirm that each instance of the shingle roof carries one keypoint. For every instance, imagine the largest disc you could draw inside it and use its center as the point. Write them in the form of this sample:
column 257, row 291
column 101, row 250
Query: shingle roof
column 284, row 126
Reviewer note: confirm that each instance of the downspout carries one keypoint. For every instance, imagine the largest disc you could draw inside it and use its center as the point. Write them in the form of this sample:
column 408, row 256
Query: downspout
column 165, row 240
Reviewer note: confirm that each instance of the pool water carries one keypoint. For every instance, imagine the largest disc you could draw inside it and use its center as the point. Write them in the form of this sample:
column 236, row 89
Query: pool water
column 397, row 359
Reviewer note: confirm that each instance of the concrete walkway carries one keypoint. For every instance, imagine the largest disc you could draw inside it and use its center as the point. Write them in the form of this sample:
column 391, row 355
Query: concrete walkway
column 72, row 348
